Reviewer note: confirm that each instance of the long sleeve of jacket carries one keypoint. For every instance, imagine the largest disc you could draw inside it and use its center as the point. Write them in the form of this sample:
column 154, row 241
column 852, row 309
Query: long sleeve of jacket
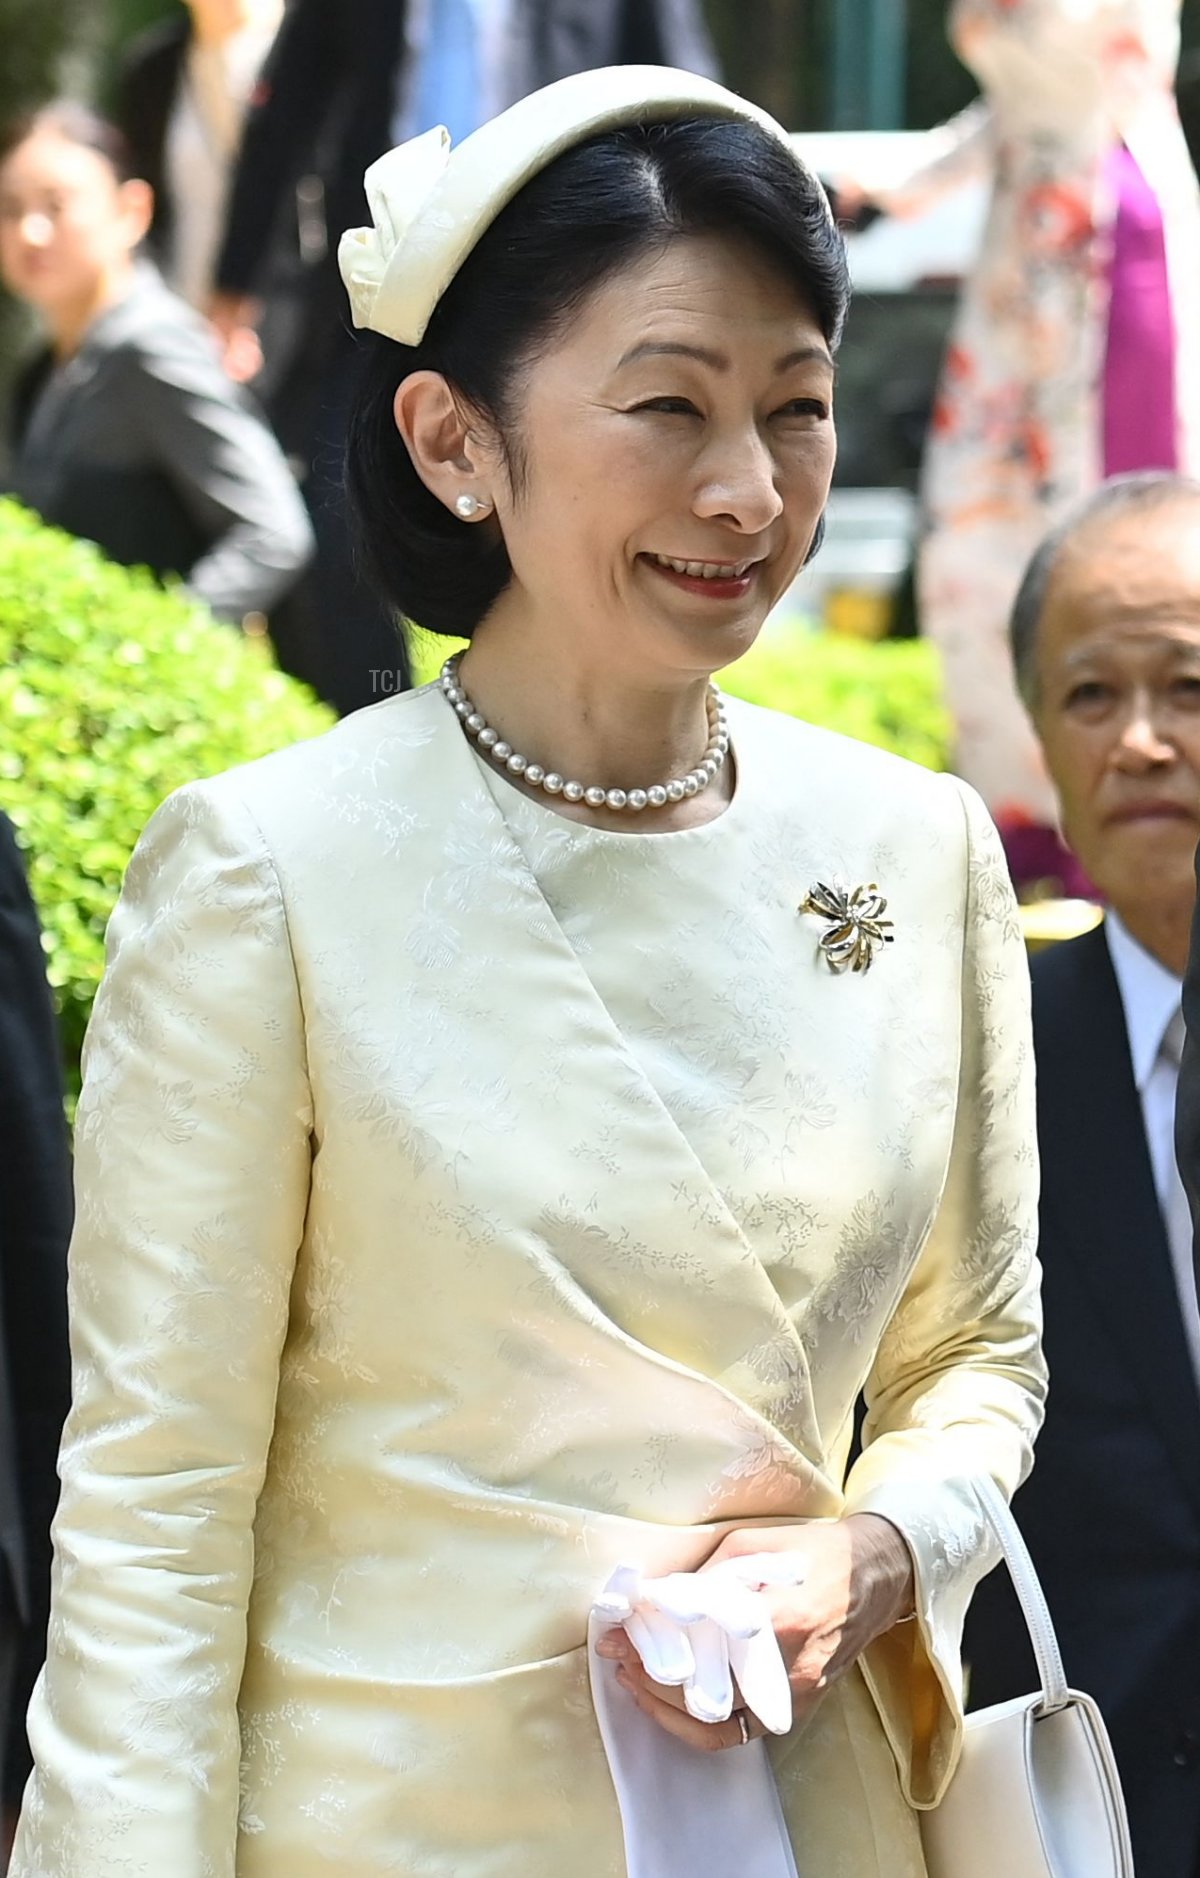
column 192, row 1181
column 958, row 1385
column 228, row 471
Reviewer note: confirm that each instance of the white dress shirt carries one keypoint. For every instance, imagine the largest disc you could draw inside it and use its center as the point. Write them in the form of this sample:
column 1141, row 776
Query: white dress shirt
column 1151, row 997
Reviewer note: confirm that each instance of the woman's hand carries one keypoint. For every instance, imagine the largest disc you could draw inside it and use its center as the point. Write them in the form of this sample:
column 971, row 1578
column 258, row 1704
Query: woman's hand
column 858, row 1582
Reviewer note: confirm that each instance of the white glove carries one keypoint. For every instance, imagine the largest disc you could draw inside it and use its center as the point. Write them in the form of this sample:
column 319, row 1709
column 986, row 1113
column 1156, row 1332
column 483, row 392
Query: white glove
column 698, row 1631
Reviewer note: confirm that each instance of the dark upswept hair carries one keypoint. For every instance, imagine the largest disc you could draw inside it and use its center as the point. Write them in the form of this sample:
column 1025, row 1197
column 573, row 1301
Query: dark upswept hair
column 74, row 123
column 595, row 209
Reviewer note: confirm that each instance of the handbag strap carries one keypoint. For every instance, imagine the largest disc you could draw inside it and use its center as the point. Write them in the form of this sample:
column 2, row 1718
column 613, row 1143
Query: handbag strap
column 1032, row 1599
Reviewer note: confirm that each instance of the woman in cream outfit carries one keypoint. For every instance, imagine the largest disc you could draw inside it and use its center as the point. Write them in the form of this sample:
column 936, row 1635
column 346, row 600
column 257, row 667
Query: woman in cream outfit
column 480, row 1187
column 1074, row 355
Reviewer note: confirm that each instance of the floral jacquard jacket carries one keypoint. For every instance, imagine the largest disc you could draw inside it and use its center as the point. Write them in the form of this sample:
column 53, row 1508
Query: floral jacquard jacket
column 468, row 1203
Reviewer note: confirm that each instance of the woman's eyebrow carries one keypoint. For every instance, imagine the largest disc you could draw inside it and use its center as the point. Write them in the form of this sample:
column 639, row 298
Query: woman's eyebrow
column 676, row 349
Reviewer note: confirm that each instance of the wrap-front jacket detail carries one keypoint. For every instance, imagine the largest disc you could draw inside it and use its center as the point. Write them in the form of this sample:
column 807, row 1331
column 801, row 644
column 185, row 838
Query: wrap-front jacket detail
column 405, row 1307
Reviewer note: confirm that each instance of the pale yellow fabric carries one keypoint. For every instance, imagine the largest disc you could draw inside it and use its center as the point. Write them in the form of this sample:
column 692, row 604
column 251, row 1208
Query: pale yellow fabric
column 469, row 1202
column 430, row 203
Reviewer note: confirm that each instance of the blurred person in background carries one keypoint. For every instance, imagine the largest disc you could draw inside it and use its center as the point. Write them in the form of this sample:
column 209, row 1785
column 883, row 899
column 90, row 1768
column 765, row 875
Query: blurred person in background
column 183, row 91
column 126, row 429
column 1076, row 352
column 35, row 1225
column 345, row 81
column 1106, row 636
column 184, row 88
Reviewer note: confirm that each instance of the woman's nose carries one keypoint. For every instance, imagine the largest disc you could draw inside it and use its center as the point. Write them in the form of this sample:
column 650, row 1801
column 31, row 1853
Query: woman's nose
column 739, row 486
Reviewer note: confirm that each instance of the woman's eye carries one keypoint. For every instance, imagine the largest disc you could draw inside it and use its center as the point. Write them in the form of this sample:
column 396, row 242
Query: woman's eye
column 1186, row 688
column 673, row 407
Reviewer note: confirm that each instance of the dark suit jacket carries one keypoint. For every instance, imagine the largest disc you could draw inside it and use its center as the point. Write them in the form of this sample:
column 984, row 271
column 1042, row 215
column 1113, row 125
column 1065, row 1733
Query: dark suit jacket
column 1112, row 1509
column 35, row 1225
column 142, row 445
column 1187, row 1102
column 148, row 82
column 147, row 86
column 328, row 93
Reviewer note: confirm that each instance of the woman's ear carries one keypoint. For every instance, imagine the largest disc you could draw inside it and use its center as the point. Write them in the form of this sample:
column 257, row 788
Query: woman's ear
column 137, row 210
column 448, row 457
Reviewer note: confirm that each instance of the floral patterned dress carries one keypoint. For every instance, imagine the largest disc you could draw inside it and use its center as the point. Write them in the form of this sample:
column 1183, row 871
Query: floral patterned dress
column 1019, row 430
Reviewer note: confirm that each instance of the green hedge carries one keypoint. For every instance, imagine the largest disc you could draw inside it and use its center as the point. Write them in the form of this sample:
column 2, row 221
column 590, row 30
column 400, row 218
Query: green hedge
column 887, row 693
column 112, row 693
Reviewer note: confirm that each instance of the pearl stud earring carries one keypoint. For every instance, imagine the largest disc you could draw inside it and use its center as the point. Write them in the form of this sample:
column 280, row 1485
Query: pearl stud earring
column 468, row 507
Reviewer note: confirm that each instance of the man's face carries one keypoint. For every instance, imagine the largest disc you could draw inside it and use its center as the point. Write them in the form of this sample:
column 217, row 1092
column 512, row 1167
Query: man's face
column 1118, row 707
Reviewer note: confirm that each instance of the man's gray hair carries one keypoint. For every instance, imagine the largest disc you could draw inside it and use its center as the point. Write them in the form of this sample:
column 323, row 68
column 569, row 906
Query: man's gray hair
column 1146, row 489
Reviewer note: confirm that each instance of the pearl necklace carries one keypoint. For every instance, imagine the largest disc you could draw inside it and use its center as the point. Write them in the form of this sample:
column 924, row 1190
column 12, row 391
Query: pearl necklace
column 655, row 796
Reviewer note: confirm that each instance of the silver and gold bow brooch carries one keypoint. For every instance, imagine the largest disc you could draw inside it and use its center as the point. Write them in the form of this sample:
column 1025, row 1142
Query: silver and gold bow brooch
column 855, row 924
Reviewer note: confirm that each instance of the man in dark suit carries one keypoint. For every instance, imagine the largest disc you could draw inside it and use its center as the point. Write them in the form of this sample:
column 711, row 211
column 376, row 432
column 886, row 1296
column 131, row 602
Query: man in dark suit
column 1106, row 636
column 35, row 1225
column 181, row 92
column 346, row 80
column 340, row 88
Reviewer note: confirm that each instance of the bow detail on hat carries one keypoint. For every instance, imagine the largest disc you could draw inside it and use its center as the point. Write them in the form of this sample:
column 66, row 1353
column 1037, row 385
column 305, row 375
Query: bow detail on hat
column 430, row 204
column 398, row 186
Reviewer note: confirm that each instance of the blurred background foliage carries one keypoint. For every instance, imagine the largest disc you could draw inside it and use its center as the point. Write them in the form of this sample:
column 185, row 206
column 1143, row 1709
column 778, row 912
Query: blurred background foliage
column 887, row 693
column 778, row 51
column 112, row 694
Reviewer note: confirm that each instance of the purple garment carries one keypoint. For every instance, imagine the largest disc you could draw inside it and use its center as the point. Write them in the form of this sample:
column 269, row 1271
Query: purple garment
column 1139, row 365
column 1037, row 854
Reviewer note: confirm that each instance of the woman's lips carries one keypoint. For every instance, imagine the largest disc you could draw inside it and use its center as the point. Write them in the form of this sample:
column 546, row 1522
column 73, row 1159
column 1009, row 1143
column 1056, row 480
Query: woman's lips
column 708, row 586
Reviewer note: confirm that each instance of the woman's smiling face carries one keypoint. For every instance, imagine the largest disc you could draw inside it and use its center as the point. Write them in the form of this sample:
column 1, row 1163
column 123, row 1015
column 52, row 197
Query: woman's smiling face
column 674, row 451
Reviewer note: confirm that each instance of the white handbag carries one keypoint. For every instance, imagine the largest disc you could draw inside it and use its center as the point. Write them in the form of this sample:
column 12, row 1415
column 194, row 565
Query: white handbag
column 1036, row 1793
